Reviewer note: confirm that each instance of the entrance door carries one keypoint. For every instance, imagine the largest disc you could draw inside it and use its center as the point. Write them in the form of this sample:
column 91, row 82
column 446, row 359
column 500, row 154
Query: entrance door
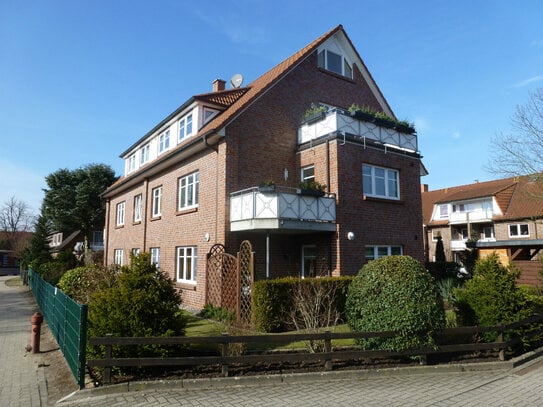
column 309, row 261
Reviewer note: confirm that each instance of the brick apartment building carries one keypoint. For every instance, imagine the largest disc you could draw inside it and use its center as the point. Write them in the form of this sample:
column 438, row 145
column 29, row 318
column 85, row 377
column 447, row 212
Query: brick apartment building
column 193, row 180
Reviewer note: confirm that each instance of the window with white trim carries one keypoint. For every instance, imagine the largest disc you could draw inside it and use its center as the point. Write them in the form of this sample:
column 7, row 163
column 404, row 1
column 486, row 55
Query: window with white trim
column 435, row 234
column 209, row 114
column 164, row 142
column 308, row 173
column 444, row 210
column 135, row 251
column 335, row 62
column 156, row 208
column 155, row 256
column 186, row 264
column 118, row 257
column 137, row 208
column 119, row 220
column 188, row 191
column 131, row 163
column 145, row 152
column 309, row 260
column 376, row 252
column 185, row 127
column 519, row 230
column 488, row 232
column 380, row 182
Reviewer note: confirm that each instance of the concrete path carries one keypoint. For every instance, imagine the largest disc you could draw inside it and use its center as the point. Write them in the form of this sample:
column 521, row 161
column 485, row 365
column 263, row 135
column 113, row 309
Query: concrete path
column 22, row 383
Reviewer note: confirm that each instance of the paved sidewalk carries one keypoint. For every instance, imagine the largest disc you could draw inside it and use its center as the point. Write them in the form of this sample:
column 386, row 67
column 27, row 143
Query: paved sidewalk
column 24, row 376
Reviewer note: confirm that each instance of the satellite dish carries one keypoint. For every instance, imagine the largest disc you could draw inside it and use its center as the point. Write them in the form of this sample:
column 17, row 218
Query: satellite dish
column 236, row 80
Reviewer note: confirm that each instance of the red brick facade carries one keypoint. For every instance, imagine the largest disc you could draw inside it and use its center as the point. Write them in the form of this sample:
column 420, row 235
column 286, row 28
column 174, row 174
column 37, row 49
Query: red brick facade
column 261, row 143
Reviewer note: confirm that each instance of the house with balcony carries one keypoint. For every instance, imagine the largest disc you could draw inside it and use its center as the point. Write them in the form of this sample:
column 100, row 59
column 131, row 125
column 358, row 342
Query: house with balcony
column 503, row 216
column 232, row 165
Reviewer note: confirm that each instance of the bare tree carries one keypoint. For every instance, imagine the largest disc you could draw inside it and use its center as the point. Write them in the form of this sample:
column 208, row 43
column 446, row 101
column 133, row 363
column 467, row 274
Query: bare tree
column 521, row 151
column 15, row 216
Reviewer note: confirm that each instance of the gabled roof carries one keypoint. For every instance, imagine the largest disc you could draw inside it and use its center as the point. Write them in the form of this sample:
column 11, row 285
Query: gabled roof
column 517, row 197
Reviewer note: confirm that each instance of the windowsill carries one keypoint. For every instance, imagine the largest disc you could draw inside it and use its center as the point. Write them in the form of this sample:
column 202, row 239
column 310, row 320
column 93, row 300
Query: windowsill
column 332, row 73
column 119, row 226
column 186, row 286
column 186, row 211
column 155, row 218
column 383, row 200
column 136, row 222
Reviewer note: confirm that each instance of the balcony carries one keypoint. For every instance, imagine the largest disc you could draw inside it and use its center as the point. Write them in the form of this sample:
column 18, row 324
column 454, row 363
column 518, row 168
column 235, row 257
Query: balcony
column 341, row 121
column 471, row 217
column 283, row 209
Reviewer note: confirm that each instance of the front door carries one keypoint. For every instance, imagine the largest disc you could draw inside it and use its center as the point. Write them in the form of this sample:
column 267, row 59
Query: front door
column 309, row 261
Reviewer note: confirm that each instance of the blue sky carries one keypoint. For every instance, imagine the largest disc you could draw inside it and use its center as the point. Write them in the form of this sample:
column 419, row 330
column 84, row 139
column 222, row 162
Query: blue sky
column 81, row 81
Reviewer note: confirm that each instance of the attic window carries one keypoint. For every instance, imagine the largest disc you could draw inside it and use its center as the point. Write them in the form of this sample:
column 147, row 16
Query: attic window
column 334, row 62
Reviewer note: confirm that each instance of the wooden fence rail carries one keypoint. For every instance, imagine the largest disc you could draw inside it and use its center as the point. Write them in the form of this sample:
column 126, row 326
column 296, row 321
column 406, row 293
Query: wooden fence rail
column 327, row 356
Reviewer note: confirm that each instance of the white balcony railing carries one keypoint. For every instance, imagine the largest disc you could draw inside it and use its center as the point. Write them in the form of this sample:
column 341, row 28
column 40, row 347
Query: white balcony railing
column 471, row 217
column 251, row 209
column 337, row 120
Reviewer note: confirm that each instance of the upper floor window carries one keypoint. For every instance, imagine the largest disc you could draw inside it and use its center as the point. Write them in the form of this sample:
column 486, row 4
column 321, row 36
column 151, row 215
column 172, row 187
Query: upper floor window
column 157, row 202
column 519, row 230
column 119, row 221
column 443, row 211
column 308, row 173
column 137, row 208
column 376, row 252
column 380, row 182
column 186, row 264
column 185, row 127
column 164, row 141
column 209, row 114
column 334, row 62
column 131, row 163
column 488, row 232
column 188, row 191
column 145, row 153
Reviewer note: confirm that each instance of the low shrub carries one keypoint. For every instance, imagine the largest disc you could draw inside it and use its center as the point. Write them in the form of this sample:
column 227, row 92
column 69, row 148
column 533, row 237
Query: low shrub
column 80, row 282
column 273, row 300
column 395, row 293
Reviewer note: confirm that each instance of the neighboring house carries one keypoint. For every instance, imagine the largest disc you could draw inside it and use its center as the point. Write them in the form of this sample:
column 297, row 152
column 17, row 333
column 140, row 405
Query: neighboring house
column 503, row 216
column 13, row 245
column 192, row 181
column 75, row 242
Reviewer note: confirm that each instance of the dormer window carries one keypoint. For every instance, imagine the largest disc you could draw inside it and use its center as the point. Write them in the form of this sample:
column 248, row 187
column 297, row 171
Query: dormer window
column 209, row 114
column 131, row 163
column 335, row 62
column 164, row 141
column 144, row 154
column 185, row 127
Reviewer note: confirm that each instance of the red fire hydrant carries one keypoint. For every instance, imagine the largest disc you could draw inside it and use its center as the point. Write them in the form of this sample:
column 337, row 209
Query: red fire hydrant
column 36, row 321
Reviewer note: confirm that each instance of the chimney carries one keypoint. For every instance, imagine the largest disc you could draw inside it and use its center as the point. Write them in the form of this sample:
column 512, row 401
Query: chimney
column 218, row 85
column 424, row 188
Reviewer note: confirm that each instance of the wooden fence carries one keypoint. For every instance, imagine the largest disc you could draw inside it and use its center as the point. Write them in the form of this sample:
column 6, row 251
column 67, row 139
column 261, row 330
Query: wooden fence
column 327, row 356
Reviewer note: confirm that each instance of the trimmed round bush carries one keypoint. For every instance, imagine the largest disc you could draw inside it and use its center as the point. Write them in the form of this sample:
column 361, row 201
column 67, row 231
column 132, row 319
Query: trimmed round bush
column 395, row 293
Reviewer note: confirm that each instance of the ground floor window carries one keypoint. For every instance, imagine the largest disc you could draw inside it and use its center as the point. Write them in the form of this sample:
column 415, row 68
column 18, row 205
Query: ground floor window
column 155, row 256
column 309, row 261
column 376, row 252
column 186, row 264
column 118, row 256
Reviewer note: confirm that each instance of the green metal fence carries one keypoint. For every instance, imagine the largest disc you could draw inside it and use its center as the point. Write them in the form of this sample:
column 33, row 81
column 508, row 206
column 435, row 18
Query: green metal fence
column 67, row 321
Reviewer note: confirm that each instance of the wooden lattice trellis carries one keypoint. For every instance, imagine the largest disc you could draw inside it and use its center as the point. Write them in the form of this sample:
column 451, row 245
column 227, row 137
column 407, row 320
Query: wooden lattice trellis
column 230, row 280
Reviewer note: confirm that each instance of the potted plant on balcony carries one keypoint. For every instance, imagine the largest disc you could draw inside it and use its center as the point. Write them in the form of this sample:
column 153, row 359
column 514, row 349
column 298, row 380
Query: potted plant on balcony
column 267, row 187
column 314, row 113
column 363, row 113
column 403, row 126
column 384, row 120
column 312, row 188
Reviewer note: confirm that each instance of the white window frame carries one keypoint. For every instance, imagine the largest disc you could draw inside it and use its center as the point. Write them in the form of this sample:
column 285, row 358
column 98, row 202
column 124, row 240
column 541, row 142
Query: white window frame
column 370, row 190
column 156, row 209
column 189, row 187
column 187, row 256
column 324, row 61
column 145, row 154
column 137, row 208
column 305, row 173
column 155, row 256
column 483, row 233
column 119, row 219
column 518, row 227
column 435, row 234
column 443, row 210
column 164, row 142
column 118, row 256
column 131, row 163
column 209, row 114
column 136, row 251
column 186, row 127
column 378, row 251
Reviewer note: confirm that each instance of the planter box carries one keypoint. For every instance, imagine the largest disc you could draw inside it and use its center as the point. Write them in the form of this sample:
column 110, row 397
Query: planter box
column 266, row 189
column 311, row 192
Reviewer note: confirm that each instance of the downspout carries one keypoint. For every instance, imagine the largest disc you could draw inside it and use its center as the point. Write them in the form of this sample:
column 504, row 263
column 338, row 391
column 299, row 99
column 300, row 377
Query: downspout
column 145, row 206
column 106, row 237
column 328, row 186
column 216, row 149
